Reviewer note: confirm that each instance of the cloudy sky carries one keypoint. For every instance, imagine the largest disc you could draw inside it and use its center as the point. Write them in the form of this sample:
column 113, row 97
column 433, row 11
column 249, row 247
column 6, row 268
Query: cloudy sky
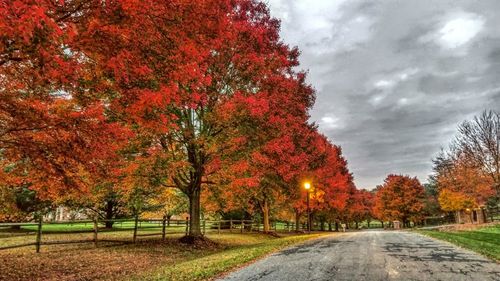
column 394, row 78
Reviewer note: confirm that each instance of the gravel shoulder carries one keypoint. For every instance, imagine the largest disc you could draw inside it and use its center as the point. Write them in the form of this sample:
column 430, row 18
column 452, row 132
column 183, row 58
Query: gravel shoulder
column 372, row 255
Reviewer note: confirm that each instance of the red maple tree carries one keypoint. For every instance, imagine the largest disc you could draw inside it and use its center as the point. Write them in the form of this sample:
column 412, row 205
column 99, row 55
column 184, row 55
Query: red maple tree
column 52, row 132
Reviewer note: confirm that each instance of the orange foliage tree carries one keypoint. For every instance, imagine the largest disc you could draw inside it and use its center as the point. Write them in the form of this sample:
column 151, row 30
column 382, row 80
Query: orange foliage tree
column 461, row 183
column 400, row 198
column 468, row 173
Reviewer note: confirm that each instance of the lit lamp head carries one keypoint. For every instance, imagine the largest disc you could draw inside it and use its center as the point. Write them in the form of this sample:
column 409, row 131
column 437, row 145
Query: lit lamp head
column 307, row 186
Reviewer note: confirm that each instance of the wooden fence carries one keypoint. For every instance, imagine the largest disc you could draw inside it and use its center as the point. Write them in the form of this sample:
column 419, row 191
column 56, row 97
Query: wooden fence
column 161, row 225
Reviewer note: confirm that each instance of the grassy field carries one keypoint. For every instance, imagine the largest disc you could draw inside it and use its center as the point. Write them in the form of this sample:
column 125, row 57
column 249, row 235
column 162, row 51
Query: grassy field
column 485, row 240
column 149, row 259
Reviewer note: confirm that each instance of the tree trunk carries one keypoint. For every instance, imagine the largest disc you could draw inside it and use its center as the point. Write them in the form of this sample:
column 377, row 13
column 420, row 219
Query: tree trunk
column 322, row 225
column 194, row 212
column 265, row 216
column 382, row 224
column 357, row 225
column 337, row 226
column 297, row 220
column 109, row 214
column 311, row 220
column 329, row 226
column 168, row 219
column 190, row 182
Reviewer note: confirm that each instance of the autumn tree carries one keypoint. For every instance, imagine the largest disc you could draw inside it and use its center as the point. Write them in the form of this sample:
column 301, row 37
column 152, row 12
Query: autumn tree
column 154, row 57
column 311, row 158
column 168, row 203
column 467, row 173
column 333, row 179
column 461, row 183
column 20, row 203
column 176, row 93
column 274, row 166
column 112, row 103
column 479, row 141
column 361, row 206
column 269, row 113
column 400, row 198
column 52, row 131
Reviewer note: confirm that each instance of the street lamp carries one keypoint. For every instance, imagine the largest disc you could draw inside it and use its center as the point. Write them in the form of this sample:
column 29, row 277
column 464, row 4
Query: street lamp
column 307, row 186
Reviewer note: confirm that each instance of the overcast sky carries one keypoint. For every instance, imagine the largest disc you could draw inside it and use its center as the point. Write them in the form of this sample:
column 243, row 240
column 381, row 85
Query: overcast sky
column 394, row 78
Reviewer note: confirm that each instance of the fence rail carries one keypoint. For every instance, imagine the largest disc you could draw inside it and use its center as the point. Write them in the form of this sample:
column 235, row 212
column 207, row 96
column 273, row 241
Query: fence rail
column 163, row 226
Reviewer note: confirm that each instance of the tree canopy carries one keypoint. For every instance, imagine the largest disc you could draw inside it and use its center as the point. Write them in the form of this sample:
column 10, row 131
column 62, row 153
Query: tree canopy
column 119, row 105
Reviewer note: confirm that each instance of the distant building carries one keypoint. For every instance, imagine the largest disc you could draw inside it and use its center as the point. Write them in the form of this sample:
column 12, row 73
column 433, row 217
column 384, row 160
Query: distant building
column 62, row 213
column 471, row 215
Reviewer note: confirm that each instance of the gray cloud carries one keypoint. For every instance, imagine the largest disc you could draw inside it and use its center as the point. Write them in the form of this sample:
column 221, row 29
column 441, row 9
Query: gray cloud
column 394, row 78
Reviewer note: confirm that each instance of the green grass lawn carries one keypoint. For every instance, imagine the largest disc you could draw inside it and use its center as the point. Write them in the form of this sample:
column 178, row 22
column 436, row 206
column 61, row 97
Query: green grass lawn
column 485, row 240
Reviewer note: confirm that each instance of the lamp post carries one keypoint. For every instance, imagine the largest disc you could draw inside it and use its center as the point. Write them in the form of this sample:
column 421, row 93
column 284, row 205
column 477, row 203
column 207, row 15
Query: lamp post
column 307, row 186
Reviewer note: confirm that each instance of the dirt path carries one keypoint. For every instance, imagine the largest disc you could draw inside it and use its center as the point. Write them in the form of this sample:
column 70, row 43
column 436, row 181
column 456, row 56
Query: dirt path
column 372, row 255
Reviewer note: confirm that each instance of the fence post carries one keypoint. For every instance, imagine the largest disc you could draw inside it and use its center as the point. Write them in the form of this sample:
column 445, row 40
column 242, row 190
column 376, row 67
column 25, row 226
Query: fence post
column 251, row 226
column 39, row 233
column 230, row 225
column 187, row 225
column 136, row 220
column 242, row 225
column 96, row 229
column 218, row 227
column 204, row 231
column 163, row 228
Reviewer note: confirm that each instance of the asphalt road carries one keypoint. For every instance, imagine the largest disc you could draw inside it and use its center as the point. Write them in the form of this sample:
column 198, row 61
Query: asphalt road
column 371, row 255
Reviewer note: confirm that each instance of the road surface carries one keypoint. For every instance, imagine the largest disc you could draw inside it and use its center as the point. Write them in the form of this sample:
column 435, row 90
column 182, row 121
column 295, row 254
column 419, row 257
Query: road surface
column 371, row 255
